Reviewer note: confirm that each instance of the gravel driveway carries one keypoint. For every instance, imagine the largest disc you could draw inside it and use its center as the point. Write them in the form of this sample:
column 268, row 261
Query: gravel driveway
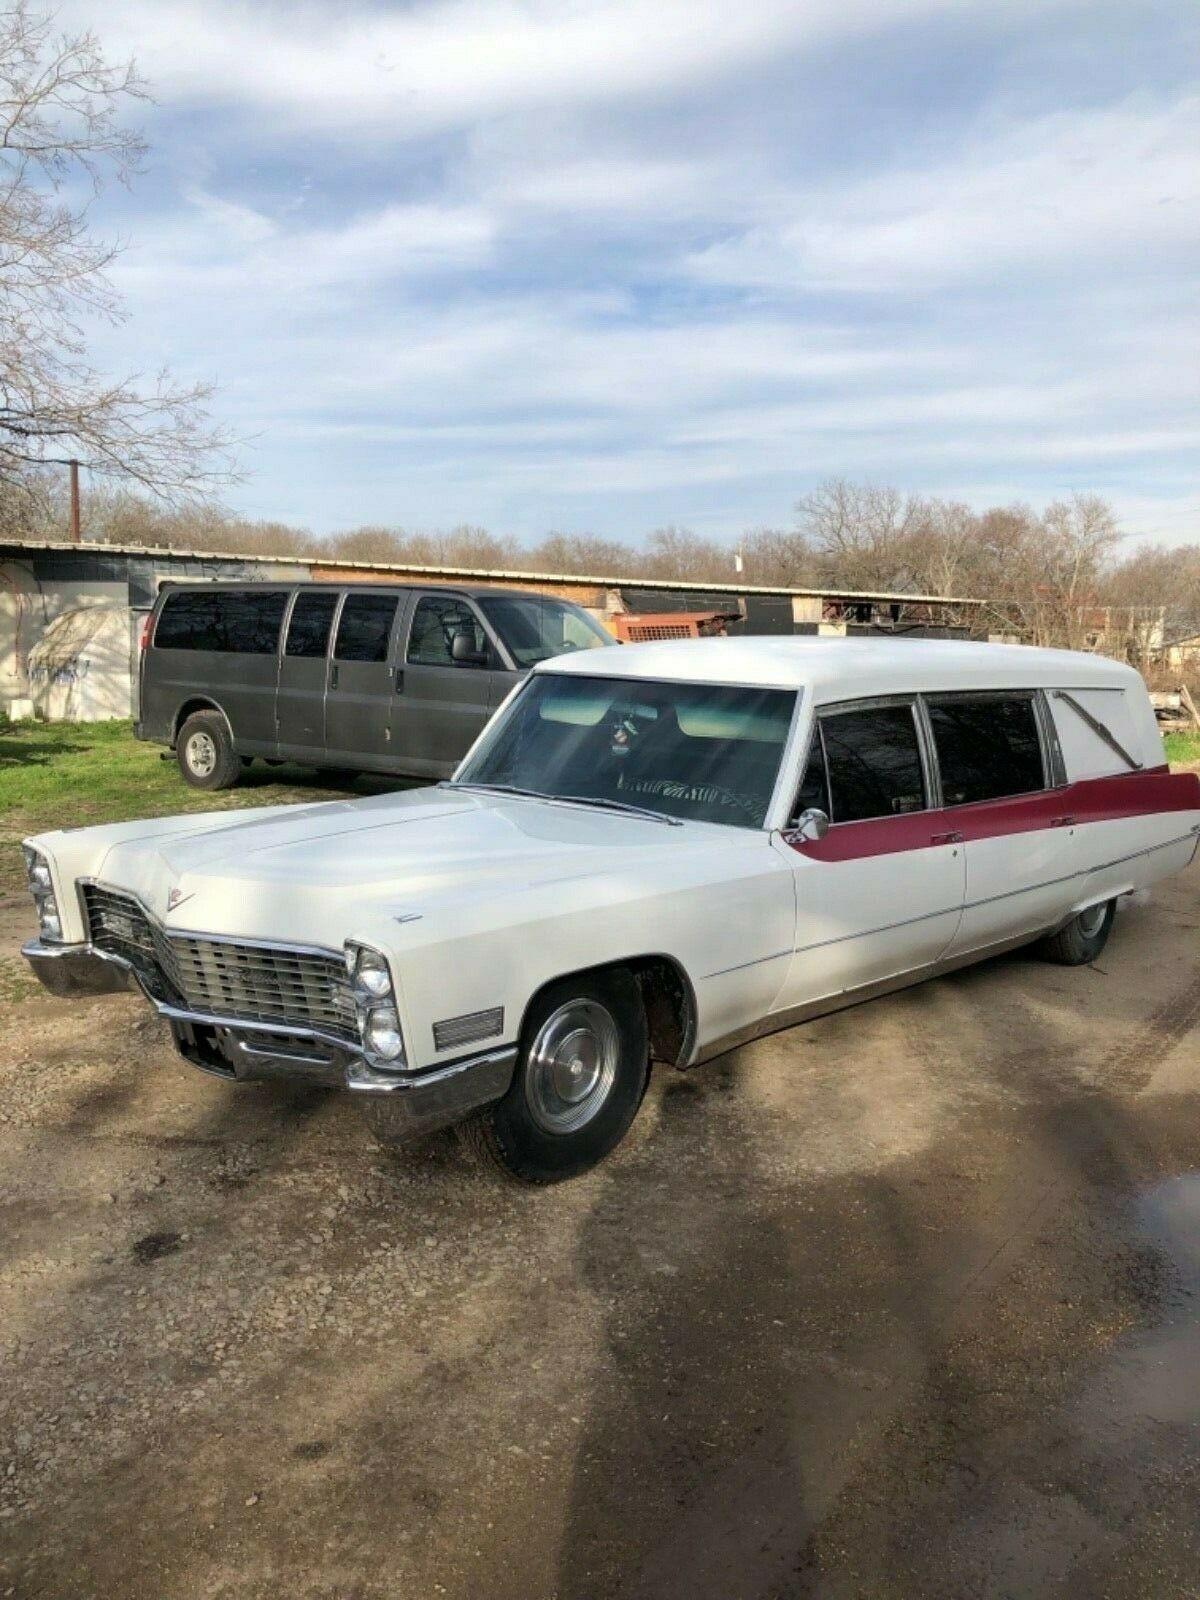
column 894, row 1304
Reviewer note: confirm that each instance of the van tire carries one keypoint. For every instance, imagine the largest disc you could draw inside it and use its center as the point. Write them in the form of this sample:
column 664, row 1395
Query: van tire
column 1083, row 938
column 601, row 1015
column 205, row 752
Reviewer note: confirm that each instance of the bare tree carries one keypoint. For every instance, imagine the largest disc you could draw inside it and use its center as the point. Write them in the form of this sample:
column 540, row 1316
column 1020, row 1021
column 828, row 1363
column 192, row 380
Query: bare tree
column 860, row 533
column 781, row 557
column 61, row 105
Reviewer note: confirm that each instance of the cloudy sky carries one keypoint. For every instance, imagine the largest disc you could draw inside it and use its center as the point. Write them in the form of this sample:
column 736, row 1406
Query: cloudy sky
column 602, row 264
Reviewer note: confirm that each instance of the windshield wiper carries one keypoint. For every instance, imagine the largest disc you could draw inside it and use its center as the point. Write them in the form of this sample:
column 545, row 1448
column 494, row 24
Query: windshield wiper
column 567, row 800
column 497, row 788
column 617, row 805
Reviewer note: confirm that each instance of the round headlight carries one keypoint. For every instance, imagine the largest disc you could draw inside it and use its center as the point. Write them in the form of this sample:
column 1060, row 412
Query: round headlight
column 39, row 878
column 382, row 1033
column 50, row 925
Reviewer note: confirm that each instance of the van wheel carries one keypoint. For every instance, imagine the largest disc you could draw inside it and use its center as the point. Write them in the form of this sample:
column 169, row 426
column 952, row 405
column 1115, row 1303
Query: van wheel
column 205, row 752
column 582, row 1070
column 1082, row 939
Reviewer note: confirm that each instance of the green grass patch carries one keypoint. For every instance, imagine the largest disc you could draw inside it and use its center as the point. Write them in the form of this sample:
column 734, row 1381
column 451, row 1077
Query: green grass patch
column 1182, row 747
column 71, row 775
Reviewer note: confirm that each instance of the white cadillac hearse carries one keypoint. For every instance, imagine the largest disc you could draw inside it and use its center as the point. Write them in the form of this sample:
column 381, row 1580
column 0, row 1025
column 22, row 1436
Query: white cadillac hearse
column 655, row 852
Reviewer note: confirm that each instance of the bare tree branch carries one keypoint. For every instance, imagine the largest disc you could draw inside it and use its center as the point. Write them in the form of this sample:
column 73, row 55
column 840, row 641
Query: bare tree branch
column 61, row 109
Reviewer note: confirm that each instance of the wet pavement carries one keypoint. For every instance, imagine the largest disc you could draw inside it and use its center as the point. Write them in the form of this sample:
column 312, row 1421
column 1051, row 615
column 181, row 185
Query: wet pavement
column 902, row 1303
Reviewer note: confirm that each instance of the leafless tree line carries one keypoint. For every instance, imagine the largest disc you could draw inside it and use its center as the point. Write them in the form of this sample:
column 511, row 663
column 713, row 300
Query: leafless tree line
column 1057, row 576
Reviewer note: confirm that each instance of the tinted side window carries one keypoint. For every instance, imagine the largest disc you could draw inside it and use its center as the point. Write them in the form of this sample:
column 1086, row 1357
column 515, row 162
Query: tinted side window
column 874, row 763
column 244, row 622
column 308, row 631
column 187, row 621
column 813, row 793
column 364, row 627
column 986, row 748
column 435, row 623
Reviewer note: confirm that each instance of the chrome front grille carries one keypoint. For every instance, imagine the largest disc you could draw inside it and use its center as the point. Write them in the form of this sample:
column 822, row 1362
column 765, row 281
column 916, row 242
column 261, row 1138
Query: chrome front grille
column 223, row 977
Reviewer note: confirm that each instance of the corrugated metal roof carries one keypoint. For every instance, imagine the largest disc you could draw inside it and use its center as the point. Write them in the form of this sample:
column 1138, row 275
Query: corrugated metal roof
column 483, row 574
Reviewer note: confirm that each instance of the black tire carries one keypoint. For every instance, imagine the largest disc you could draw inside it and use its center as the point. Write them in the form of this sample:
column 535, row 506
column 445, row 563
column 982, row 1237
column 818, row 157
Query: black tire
column 1082, row 939
column 205, row 752
column 592, row 1027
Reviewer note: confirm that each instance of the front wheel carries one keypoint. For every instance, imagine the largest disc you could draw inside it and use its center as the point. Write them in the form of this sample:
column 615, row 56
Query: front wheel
column 582, row 1069
column 1082, row 939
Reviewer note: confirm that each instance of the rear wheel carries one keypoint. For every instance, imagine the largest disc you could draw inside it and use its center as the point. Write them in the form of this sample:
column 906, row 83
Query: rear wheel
column 581, row 1073
column 205, row 752
column 1082, row 939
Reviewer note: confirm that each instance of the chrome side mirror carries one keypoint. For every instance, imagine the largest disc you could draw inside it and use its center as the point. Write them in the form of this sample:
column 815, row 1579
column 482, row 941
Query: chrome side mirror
column 810, row 825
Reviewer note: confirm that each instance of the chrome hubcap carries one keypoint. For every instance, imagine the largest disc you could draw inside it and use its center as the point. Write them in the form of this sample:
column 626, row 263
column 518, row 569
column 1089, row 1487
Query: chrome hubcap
column 1091, row 921
column 201, row 754
column 572, row 1066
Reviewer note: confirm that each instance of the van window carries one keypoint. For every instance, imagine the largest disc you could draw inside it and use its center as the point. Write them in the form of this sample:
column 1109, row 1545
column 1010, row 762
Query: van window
column 241, row 621
column 435, row 622
column 364, row 627
column 536, row 629
column 873, row 758
column 986, row 748
column 312, row 616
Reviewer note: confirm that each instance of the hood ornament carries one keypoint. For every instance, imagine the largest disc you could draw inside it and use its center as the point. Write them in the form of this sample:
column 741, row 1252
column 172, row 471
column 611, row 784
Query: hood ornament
column 176, row 897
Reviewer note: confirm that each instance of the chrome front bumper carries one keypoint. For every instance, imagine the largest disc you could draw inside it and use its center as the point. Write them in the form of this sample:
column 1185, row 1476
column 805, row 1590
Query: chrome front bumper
column 231, row 1047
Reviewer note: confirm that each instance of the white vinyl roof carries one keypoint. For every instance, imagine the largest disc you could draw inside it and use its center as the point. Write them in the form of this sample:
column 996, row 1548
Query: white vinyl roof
column 834, row 669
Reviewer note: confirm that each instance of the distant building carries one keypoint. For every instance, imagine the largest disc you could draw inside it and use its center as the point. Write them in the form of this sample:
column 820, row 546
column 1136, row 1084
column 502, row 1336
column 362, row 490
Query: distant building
column 70, row 614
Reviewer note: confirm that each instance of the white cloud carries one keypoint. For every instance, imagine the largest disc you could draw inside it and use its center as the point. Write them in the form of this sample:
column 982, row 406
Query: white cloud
column 1076, row 191
column 226, row 253
column 445, row 63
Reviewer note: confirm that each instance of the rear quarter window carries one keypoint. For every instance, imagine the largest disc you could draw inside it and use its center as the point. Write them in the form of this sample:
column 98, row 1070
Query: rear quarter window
column 230, row 621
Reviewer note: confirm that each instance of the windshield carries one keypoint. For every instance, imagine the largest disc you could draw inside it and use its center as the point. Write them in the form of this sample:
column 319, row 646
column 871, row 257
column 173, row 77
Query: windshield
column 536, row 629
column 680, row 749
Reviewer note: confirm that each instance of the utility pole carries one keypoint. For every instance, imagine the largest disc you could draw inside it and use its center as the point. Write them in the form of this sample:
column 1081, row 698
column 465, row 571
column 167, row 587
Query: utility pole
column 73, row 465
column 75, row 534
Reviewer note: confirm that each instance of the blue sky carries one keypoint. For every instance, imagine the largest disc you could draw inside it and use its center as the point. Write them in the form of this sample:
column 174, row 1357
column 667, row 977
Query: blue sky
column 596, row 265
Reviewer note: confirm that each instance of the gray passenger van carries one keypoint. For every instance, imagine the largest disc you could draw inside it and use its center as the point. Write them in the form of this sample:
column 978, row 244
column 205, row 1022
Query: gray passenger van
column 366, row 677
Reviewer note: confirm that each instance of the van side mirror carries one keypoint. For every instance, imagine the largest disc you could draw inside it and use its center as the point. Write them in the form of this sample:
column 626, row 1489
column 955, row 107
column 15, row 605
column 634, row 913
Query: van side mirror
column 810, row 825
column 463, row 652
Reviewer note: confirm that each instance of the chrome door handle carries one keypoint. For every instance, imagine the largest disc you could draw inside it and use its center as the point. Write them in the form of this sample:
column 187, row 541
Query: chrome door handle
column 1062, row 822
column 953, row 837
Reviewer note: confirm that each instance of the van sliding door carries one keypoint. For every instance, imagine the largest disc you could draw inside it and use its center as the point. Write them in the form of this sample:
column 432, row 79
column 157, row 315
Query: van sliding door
column 361, row 681
column 303, row 664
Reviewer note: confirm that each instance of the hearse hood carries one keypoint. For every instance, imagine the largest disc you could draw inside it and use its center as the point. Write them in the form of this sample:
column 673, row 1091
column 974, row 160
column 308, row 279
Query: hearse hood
column 309, row 875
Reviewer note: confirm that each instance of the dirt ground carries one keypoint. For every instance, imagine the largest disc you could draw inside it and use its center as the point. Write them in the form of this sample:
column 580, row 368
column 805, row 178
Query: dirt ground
column 902, row 1303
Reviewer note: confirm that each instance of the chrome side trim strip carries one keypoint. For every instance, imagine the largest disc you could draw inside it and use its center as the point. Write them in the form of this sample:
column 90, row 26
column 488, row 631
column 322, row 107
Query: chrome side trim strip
column 759, row 961
column 1149, row 851
column 777, row 1021
column 887, row 927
